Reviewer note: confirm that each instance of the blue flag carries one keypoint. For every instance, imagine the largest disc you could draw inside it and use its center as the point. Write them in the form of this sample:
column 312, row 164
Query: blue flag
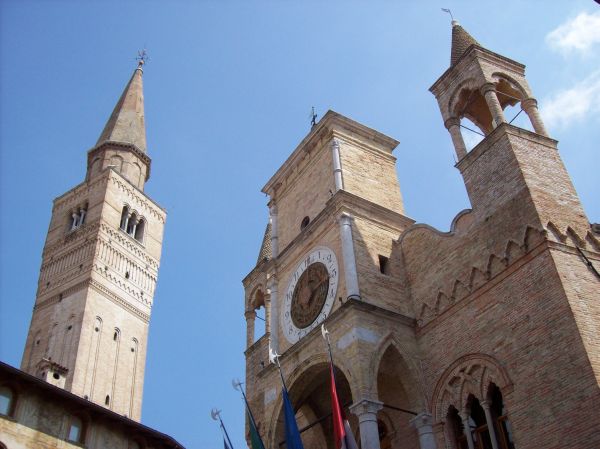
column 292, row 435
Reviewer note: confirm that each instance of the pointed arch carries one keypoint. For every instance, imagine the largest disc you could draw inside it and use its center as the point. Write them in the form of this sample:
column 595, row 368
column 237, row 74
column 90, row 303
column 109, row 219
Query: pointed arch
column 468, row 375
column 409, row 368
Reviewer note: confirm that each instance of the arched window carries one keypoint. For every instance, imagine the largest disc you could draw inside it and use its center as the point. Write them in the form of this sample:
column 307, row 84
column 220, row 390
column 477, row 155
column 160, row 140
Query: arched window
column 482, row 426
column 77, row 216
column 76, row 430
column 499, row 415
column 139, row 230
column 7, row 401
column 124, row 218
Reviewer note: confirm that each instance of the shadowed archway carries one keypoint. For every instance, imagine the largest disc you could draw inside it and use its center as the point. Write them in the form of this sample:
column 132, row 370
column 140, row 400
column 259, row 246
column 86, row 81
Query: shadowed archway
column 311, row 399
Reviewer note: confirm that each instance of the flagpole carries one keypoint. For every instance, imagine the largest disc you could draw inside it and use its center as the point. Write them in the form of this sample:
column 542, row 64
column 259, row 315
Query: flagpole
column 216, row 414
column 273, row 356
column 238, row 386
column 325, row 334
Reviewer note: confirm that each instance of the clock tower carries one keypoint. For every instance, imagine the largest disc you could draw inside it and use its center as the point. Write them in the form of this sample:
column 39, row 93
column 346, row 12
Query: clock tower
column 335, row 207
column 89, row 327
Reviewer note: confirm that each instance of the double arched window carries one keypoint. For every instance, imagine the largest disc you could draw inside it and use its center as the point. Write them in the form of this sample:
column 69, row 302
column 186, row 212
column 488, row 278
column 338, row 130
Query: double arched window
column 77, row 216
column 482, row 424
column 132, row 224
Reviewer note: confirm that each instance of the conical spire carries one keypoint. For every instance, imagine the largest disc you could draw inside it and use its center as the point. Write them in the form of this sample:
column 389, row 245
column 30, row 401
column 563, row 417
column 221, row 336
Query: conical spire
column 461, row 41
column 266, row 252
column 126, row 123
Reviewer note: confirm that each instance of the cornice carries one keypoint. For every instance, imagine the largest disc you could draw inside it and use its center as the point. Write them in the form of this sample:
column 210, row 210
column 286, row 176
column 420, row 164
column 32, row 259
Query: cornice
column 141, row 198
column 122, row 146
column 324, row 130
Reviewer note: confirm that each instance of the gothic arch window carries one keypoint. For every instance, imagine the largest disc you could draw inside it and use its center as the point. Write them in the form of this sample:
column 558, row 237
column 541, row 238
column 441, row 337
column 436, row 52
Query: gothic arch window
column 7, row 401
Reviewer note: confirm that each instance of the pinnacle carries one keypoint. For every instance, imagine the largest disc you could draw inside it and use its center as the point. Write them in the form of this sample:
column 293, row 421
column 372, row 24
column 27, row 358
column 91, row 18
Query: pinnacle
column 461, row 41
column 126, row 123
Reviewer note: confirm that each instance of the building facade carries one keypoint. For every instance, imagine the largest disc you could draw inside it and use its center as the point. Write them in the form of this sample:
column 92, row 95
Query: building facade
column 486, row 336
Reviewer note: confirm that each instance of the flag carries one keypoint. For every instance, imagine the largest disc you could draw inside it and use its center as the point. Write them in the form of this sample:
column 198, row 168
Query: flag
column 292, row 435
column 225, row 445
column 255, row 440
column 342, row 434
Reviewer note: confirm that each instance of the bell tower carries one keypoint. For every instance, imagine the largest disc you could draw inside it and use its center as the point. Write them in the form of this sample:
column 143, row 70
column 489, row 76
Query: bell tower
column 510, row 163
column 89, row 328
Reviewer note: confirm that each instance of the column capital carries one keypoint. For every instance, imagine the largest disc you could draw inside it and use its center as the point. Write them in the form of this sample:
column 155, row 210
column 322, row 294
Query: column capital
column 529, row 102
column 487, row 87
column 271, row 285
column 452, row 121
column 366, row 408
column 335, row 143
column 485, row 404
column 346, row 219
column 423, row 419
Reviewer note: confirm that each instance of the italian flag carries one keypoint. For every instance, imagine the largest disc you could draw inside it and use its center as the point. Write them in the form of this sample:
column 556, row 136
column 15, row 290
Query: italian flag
column 342, row 434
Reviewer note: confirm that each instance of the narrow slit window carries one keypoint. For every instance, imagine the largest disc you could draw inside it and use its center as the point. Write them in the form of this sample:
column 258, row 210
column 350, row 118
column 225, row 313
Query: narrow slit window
column 384, row 265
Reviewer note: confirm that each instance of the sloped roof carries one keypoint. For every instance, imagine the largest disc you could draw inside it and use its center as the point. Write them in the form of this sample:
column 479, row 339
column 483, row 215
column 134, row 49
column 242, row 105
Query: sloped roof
column 126, row 123
column 461, row 41
column 265, row 248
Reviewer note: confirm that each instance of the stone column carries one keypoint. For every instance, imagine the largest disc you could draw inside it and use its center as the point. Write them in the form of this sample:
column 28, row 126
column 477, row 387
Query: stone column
column 423, row 422
column 267, row 314
column 490, row 423
column 75, row 218
column 464, row 416
column 133, row 227
column 274, row 238
column 453, row 126
column 337, row 164
column 491, row 98
column 250, row 318
column 272, row 290
column 348, row 255
column 530, row 107
column 82, row 213
column 366, row 411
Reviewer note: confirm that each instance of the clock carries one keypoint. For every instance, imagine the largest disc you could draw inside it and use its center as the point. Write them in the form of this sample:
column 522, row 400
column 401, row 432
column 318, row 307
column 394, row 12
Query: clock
column 310, row 293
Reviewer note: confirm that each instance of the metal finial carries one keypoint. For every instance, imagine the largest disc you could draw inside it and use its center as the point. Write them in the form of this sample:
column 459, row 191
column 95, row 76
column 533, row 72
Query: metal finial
column 237, row 385
column 142, row 57
column 215, row 414
column 313, row 117
column 449, row 12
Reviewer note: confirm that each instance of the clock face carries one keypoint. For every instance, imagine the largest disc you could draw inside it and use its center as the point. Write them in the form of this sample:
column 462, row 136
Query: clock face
column 310, row 294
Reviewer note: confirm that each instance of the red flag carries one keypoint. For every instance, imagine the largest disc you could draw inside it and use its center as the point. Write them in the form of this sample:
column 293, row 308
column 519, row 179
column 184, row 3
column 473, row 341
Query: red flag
column 342, row 435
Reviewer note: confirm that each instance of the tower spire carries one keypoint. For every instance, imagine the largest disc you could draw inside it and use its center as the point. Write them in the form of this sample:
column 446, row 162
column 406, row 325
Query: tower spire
column 461, row 41
column 126, row 123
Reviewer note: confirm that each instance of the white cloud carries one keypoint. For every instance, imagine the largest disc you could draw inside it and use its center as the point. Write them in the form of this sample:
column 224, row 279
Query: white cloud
column 576, row 35
column 574, row 104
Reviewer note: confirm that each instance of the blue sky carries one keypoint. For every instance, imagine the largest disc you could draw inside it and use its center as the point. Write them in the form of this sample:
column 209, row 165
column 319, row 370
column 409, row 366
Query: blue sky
column 228, row 93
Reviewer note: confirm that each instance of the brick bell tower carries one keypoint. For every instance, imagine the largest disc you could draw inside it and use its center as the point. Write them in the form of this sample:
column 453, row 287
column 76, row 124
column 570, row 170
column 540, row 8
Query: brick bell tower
column 100, row 262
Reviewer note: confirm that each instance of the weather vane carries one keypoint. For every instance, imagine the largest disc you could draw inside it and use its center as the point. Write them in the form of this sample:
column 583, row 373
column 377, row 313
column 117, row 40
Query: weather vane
column 313, row 117
column 142, row 57
column 449, row 12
